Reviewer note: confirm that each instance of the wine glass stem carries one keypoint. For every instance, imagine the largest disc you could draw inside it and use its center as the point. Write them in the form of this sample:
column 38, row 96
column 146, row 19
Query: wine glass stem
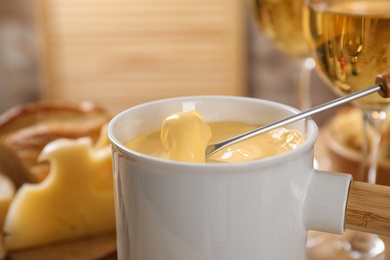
column 365, row 245
column 306, row 65
column 371, row 120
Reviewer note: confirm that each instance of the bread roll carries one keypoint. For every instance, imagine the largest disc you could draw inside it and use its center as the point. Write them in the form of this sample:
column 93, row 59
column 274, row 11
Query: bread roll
column 27, row 128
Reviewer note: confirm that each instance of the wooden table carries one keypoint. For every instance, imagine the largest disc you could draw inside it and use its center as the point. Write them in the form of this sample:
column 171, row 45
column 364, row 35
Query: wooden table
column 101, row 247
column 331, row 247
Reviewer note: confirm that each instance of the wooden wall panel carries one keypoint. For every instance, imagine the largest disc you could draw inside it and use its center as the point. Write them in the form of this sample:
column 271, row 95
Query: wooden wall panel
column 122, row 53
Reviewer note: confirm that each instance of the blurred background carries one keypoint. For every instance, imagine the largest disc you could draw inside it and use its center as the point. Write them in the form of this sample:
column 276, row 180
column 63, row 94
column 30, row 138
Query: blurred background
column 122, row 53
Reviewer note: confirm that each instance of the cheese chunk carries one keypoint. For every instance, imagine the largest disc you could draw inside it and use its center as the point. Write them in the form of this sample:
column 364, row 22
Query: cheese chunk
column 184, row 136
column 75, row 200
column 7, row 191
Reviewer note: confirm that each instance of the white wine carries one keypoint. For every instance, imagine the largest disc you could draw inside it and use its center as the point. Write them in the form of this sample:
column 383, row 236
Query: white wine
column 281, row 22
column 351, row 40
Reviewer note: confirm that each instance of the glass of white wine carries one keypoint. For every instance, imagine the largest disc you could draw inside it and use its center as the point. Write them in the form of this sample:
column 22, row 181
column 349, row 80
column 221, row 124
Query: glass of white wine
column 350, row 40
column 280, row 21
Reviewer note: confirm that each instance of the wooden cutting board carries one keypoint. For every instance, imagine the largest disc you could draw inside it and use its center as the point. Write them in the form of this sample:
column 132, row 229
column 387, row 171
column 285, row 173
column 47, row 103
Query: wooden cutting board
column 100, row 247
column 122, row 53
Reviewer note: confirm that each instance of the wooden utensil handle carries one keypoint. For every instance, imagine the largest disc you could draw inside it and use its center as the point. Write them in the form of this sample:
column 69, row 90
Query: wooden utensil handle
column 368, row 208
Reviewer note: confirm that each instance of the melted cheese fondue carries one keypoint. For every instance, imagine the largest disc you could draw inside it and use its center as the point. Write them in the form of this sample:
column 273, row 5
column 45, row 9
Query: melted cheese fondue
column 184, row 137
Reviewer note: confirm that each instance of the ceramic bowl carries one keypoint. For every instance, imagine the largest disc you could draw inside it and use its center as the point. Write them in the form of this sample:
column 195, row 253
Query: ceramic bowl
column 333, row 155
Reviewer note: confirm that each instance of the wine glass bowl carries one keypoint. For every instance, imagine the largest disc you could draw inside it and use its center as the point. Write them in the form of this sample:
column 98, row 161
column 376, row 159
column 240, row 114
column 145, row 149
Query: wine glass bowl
column 351, row 46
column 281, row 23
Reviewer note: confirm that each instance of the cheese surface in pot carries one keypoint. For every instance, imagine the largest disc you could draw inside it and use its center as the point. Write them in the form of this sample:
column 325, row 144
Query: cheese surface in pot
column 184, row 137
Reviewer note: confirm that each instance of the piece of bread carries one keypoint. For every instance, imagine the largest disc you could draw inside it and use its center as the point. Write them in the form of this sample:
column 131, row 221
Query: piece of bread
column 27, row 128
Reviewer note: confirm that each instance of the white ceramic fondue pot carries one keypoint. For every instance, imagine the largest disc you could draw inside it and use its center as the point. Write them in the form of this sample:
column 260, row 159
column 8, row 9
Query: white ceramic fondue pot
column 262, row 209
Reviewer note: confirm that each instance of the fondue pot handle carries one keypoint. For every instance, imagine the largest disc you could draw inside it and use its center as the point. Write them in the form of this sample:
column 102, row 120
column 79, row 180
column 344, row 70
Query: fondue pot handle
column 368, row 208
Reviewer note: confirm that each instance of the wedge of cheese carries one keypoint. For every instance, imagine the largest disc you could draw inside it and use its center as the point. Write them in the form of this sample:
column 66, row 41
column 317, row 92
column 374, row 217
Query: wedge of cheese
column 75, row 200
column 7, row 191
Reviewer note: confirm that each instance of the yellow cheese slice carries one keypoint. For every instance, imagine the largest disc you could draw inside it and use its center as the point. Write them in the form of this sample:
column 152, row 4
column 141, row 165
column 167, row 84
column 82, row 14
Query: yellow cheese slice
column 7, row 191
column 75, row 200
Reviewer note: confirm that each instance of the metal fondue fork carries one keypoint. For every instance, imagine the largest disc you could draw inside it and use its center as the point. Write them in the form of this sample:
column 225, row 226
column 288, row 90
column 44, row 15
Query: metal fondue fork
column 383, row 86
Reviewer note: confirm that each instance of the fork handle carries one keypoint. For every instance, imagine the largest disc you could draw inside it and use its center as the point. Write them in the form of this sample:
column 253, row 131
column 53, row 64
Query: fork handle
column 368, row 208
